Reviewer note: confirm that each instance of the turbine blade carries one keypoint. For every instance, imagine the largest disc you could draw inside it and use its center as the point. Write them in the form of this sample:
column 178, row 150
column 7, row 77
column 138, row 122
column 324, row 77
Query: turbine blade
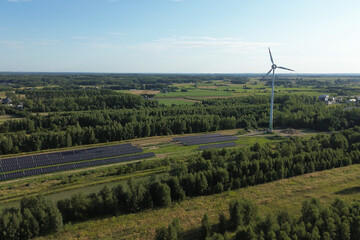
column 271, row 57
column 285, row 68
column 267, row 73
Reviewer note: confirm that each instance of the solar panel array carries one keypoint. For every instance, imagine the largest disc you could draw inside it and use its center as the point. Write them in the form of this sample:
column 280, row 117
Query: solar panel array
column 204, row 139
column 219, row 145
column 17, row 167
column 18, row 163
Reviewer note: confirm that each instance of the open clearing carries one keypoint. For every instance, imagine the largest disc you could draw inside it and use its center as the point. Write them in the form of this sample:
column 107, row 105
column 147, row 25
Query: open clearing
column 286, row 194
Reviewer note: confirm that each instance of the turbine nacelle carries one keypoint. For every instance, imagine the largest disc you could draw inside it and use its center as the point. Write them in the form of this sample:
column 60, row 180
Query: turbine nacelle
column 274, row 66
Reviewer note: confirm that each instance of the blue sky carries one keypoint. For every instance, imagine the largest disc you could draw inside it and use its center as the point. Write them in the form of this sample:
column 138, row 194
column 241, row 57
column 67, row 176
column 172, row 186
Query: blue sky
column 179, row 36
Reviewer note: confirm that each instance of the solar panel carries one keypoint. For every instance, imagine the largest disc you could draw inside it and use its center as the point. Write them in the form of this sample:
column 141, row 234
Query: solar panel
column 124, row 159
column 40, row 157
column 196, row 137
column 96, row 162
column 32, row 172
column 209, row 140
column 50, row 169
column 149, row 155
column 9, row 161
column 14, row 175
column 72, row 156
column 27, row 165
column 66, row 167
column 9, row 168
column 67, row 153
column 25, row 159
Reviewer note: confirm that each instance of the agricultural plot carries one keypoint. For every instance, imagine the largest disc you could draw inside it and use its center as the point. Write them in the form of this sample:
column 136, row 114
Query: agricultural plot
column 204, row 139
column 68, row 160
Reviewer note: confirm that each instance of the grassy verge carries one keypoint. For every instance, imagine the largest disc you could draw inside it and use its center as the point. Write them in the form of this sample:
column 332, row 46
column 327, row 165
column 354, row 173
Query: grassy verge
column 286, row 194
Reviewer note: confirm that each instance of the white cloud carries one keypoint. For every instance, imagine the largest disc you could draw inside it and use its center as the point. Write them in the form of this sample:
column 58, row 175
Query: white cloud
column 117, row 34
column 12, row 44
column 88, row 38
column 18, row 0
column 80, row 37
column 25, row 42
column 210, row 43
column 44, row 42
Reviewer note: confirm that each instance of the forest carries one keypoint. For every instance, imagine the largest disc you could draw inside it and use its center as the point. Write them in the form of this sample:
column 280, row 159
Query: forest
column 119, row 116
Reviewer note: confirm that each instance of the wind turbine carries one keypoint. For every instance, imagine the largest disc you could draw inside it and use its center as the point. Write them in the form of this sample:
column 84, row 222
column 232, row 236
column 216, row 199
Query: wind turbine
column 273, row 67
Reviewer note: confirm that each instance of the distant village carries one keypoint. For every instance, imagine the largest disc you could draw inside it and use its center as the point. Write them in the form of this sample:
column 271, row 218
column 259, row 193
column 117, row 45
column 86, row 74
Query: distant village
column 331, row 100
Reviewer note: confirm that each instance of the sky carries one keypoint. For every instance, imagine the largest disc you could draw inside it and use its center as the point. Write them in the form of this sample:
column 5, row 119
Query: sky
column 179, row 36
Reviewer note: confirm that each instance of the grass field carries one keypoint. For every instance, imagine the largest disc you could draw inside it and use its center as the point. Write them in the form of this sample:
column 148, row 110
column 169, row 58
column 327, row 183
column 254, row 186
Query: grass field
column 286, row 194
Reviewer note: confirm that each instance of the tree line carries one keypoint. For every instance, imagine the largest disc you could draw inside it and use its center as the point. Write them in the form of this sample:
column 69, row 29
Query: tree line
column 57, row 101
column 115, row 81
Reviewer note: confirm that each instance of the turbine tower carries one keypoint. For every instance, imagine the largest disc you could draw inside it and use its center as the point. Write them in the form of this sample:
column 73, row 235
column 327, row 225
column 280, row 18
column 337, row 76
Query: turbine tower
column 273, row 67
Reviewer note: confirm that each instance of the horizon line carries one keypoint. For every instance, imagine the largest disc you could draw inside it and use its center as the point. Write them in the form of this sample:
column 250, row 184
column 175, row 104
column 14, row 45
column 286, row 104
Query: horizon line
column 179, row 73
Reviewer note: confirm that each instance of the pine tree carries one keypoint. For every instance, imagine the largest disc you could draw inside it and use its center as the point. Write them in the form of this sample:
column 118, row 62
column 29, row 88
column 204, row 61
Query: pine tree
column 235, row 215
column 205, row 227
